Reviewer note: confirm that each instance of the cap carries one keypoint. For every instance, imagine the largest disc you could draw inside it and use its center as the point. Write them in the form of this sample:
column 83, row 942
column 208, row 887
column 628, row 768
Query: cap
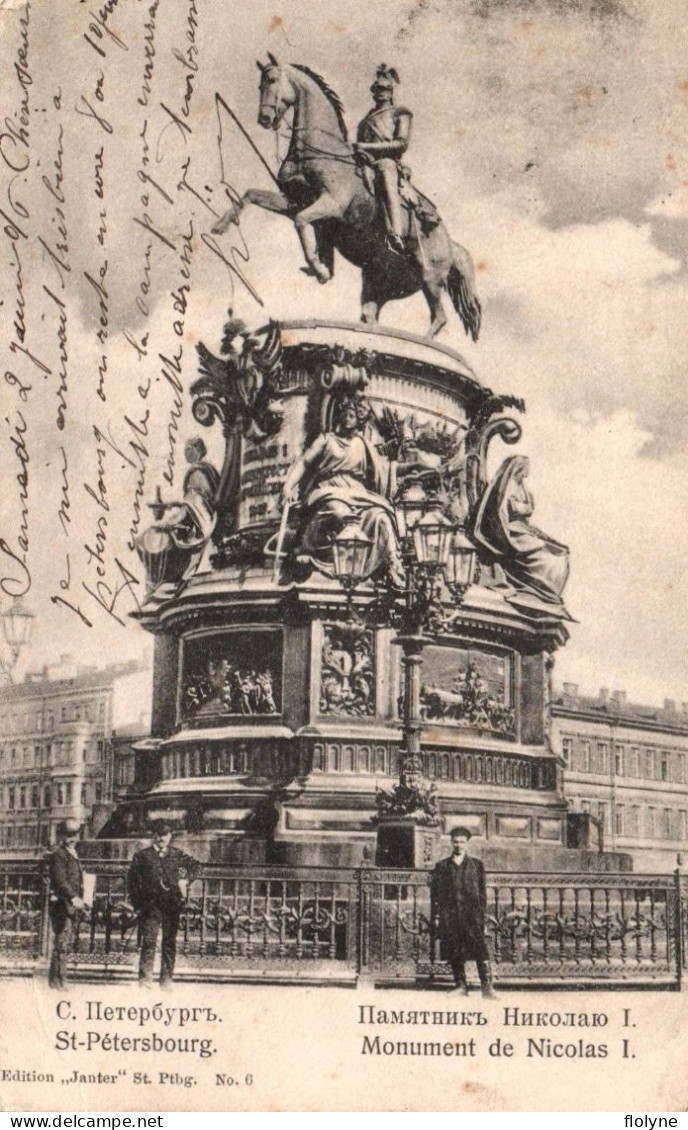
column 460, row 831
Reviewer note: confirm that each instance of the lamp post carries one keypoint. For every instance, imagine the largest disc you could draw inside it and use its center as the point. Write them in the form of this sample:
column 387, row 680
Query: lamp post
column 439, row 560
column 17, row 623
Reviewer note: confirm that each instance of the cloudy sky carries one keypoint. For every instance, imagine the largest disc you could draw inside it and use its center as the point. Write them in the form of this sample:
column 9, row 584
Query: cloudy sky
column 551, row 134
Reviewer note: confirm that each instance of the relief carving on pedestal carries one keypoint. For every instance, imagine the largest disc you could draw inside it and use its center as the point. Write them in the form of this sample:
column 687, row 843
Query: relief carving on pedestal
column 233, row 674
column 347, row 679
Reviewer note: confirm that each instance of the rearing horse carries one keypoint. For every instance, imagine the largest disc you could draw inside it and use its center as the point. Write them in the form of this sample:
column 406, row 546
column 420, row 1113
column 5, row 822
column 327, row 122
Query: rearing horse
column 322, row 191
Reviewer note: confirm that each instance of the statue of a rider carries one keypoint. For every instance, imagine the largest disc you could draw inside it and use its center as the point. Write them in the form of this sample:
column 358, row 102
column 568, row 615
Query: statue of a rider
column 382, row 140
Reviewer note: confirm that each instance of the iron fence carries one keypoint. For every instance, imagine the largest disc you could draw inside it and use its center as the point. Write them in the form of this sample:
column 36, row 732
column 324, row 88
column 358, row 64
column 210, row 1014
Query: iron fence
column 324, row 924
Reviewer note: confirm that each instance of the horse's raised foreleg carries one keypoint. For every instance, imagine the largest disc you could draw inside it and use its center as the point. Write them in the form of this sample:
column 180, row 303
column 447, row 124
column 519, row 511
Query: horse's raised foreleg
column 271, row 201
column 324, row 208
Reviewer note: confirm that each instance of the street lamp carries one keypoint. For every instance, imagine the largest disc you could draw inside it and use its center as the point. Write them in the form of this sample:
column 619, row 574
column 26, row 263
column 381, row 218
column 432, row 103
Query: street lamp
column 17, row 622
column 350, row 553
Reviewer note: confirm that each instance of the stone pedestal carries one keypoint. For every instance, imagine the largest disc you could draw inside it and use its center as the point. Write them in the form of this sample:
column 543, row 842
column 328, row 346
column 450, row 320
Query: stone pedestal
column 277, row 694
column 405, row 843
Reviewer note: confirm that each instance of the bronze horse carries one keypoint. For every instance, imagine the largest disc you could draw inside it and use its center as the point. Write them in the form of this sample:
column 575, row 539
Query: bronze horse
column 322, row 191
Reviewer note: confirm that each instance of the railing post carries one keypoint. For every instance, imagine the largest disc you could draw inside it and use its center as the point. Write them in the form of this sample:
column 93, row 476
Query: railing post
column 679, row 920
column 364, row 963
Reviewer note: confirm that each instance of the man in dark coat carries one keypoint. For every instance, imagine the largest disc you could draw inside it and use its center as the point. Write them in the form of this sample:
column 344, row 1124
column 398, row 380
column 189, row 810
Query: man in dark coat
column 459, row 900
column 154, row 890
column 67, row 898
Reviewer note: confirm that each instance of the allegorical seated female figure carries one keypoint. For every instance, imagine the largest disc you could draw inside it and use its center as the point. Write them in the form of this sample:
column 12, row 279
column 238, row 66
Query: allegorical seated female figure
column 339, row 478
column 535, row 564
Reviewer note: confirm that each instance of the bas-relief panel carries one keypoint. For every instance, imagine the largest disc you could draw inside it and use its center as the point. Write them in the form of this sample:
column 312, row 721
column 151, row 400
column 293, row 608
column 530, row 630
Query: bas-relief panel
column 468, row 687
column 347, row 672
column 234, row 674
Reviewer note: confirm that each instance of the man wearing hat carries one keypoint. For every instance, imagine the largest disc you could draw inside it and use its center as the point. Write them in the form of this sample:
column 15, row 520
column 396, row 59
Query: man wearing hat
column 67, row 902
column 383, row 138
column 459, row 900
column 155, row 892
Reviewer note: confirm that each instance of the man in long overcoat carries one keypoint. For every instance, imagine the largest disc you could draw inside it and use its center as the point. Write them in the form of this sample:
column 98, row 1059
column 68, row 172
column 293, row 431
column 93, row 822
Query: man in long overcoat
column 155, row 892
column 459, row 901
column 67, row 899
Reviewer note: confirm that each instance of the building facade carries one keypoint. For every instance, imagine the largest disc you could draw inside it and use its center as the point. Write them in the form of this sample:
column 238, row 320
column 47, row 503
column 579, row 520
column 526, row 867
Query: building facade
column 56, row 748
column 625, row 764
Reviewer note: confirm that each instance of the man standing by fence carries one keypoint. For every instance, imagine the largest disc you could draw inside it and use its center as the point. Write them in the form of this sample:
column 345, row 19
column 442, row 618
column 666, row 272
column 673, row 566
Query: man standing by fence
column 155, row 892
column 459, row 899
column 67, row 899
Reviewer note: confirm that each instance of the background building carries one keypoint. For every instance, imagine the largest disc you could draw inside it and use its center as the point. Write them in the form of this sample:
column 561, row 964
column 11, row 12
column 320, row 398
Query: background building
column 56, row 747
column 625, row 764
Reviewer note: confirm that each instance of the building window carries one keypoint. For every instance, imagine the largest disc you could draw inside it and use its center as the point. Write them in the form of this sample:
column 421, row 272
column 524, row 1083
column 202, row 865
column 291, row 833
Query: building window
column 82, row 799
column 619, row 760
column 603, row 757
column 68, row 792
column 651, row 823
column 619, row 820
column 46, row 796
column 682, row 824
column 634, row 820
column 22, row 797
column 680, row 768
column 567, row 750
column 635, row 761
column 35, row 796
column 59, row 793
column 49, row 720
column 98, row 792
column 650, row 764
column 664, row 767
column 585, row 756
column 100, row 749
column 666, row 824
column 63, row 714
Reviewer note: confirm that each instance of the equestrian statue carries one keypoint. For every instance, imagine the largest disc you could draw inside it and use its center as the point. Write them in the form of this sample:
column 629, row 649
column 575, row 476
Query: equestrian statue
column 358, row 198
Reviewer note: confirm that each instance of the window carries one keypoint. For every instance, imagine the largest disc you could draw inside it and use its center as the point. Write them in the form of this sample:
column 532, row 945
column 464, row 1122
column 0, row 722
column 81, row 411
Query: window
column 59, row 793
column 666, row 824
column 68, row 792
column 101, row 711
column 681, row 768
column 77, row 712
column 100, row 749
column 46, row 796
column 63, row 714
column 650, row 764
column 35, row 796
column 619, row 760
column 682, row 824
column 664, row 767
column 22, row 797
column 634, row 768
column 619, row 820
column 567, row 750
column 650, row 823
column 603, row 757
column 39, row 721
column 634, row 820
column 49, row 720
column 99, row 792
column 585, row 756
column 82, row 799
column 37, row 755
column 603, row 814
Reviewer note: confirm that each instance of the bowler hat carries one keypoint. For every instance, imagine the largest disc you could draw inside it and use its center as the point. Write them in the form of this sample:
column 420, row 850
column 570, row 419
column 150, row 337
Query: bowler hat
column 68, row 828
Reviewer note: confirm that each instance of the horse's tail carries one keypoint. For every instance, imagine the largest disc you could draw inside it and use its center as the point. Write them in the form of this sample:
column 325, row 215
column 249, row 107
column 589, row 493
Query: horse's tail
column 461, row 288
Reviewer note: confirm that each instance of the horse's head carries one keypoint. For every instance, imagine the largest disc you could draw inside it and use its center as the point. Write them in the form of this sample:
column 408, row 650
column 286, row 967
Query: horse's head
column 277, row 93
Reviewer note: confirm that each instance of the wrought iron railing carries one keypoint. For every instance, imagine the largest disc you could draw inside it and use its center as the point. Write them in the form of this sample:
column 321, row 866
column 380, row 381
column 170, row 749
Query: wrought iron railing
column 324, row 923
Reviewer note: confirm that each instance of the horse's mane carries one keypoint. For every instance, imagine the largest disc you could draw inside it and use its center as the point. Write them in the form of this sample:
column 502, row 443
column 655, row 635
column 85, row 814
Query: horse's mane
column 334, row 99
